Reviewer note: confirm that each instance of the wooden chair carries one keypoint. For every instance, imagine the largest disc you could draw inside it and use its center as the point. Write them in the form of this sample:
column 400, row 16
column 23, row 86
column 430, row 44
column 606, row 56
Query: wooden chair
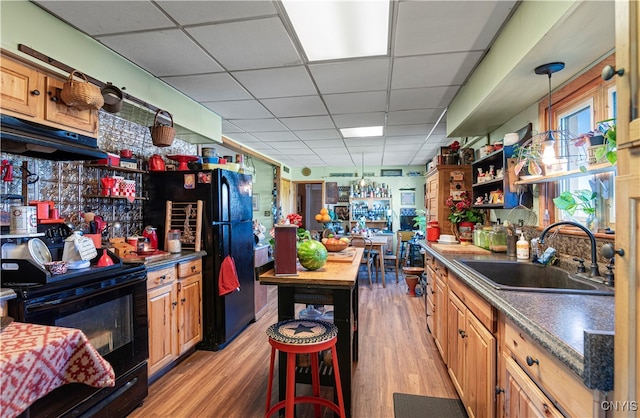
column 394, row 258
column 404, row 238
column 367, row 257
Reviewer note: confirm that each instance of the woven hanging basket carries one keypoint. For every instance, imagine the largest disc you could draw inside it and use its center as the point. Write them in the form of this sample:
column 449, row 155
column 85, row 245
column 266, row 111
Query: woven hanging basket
column 161, row 135
column 81, row 95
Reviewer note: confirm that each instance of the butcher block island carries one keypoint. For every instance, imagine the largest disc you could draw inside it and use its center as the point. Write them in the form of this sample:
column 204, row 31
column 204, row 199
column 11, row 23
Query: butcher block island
column 335, row 284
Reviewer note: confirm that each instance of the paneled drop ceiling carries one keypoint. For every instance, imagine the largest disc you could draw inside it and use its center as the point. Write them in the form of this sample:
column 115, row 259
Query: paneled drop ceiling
column 242, row 60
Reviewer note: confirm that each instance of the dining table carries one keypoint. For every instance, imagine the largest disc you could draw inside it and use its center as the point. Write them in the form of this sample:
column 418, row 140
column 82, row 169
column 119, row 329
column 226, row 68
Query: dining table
column 334, row 284
column 36, row 359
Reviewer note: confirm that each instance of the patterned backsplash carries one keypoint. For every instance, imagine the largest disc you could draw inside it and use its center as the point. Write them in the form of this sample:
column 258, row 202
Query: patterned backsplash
column 68, row 184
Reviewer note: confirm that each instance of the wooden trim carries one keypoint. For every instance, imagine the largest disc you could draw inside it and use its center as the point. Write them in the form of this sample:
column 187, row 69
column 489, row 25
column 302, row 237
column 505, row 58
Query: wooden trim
column 239, row 147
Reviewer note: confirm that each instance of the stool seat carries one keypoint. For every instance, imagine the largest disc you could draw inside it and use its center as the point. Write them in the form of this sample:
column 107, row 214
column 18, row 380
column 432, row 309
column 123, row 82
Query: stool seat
column 302, row 332
column 412, row 270
column 303, row 336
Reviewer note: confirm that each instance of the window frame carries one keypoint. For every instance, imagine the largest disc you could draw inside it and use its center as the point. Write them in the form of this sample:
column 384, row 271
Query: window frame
column 581, row 88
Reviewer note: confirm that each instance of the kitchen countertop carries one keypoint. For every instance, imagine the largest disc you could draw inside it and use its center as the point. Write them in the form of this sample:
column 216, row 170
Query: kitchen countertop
column 172, row 259
column 577, row 329
column 6, row 294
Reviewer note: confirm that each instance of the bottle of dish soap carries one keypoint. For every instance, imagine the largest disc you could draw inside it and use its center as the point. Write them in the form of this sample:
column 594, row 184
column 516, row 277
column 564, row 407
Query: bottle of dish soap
column 522, row 248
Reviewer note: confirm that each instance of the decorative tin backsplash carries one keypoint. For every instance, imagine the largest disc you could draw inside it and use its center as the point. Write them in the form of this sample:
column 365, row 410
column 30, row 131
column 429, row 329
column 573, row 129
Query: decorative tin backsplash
column 68, row 184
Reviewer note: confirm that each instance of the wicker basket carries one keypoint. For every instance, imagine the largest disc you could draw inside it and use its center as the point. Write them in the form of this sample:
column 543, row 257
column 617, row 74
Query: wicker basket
column 81, row 95
column 161, row 135
column 336, row 247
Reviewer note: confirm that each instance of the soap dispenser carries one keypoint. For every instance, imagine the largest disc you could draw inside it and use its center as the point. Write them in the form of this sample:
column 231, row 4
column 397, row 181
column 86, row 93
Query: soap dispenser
column 522, row 248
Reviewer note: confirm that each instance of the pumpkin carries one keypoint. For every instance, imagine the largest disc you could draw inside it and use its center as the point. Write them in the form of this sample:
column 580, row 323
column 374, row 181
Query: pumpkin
column 312, row 254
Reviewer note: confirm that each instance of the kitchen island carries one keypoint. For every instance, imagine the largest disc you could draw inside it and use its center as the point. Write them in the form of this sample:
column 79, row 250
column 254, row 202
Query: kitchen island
column 336, row 283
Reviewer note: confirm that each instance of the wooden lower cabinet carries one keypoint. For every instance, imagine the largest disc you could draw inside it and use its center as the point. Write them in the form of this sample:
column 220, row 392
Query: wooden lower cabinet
column 471, row 349
column 189, row 311
column 162, row 313
column 174, row 305
column 522, row 398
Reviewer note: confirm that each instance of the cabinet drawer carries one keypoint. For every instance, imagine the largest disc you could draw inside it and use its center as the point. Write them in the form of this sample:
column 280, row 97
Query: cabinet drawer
column 160, row 277
column 553, row 377
column 441, row 271
column 189, row 268
column 480, row 307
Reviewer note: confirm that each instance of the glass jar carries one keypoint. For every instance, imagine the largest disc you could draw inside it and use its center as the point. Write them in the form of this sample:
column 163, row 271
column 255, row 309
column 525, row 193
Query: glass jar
column 485, row 237
column 498, row 240
column 174, row 244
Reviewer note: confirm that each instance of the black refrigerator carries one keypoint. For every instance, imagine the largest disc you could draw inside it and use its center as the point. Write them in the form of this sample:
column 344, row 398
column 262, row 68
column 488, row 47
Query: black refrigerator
column 227, row 229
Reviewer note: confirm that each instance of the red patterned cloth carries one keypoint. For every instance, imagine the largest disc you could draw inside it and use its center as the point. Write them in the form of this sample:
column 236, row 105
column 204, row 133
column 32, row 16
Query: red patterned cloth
column 36, row 359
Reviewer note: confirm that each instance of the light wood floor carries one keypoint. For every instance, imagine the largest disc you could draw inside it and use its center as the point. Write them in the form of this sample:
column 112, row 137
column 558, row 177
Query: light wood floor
column 397, row 354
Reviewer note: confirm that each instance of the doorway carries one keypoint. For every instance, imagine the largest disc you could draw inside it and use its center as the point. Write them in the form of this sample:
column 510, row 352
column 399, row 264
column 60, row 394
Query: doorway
column 309, row 203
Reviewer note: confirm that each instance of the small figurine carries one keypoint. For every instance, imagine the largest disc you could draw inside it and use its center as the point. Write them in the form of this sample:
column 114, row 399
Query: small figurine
column 479, row 200
column 481, row 177
column 486, row 199
column 491, row 174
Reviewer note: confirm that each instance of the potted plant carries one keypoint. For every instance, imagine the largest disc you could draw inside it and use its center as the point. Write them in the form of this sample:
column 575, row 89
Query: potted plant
column 528, row 159
column 583, row 200
column 602, row 142
column 463, row 216
column 420, row 221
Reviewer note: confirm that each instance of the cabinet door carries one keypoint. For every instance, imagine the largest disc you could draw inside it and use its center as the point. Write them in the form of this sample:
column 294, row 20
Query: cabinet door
column 522, row 397
column 190, row 311
column 480, row 370
column 22, row 90
column 441, row 316
column 60, row 114
column 456, row 336
column 432, row 197
column 161, row 311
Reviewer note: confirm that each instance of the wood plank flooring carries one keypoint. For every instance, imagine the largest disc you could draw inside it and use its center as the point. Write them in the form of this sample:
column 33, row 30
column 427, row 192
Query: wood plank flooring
column 397, row 354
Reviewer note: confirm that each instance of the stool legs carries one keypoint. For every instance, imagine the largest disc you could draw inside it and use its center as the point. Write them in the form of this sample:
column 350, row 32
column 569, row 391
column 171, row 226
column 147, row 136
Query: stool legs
column 270, row 383
column 336, row 373
column 291, row 385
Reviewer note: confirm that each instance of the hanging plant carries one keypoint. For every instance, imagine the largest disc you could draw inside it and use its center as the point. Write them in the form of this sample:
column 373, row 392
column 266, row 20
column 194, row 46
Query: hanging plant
column 528, row 157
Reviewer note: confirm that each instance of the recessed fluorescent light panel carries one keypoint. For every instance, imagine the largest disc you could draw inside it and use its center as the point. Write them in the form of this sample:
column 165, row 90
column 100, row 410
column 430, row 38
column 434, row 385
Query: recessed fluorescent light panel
column 331, row 30
column 361, row 132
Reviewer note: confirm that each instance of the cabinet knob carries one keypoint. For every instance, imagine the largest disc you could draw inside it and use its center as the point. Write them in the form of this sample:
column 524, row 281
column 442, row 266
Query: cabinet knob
column 36, row 92
column 174, row 303
column 183, row 300
column 499, row 390
column 531, row 361
column 462, row 333
column 193, row 268
column 609, row 71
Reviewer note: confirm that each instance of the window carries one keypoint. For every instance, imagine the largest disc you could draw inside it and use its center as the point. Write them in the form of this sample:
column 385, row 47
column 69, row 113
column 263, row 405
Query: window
column 577, row 107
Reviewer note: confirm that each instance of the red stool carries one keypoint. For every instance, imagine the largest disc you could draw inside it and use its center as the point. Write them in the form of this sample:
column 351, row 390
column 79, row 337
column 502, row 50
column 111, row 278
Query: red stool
column 303, row 336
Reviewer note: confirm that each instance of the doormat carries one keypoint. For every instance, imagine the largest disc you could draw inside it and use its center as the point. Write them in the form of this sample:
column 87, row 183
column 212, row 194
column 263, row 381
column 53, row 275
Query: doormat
column 417, row 406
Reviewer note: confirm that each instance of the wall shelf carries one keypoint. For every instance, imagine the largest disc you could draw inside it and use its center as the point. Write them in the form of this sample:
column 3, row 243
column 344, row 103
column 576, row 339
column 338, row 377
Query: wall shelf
column 592, row 169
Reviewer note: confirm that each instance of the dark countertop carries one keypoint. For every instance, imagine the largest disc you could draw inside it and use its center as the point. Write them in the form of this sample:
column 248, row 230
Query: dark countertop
column 556, row 321
column 173, row 259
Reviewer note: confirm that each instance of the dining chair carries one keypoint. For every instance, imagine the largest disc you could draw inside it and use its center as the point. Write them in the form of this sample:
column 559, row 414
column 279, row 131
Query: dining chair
column 394, row 258
column 405, row 237
column 367, row 256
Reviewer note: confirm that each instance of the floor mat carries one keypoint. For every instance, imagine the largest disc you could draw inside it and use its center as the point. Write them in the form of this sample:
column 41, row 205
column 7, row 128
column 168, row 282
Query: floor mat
column 417, row 406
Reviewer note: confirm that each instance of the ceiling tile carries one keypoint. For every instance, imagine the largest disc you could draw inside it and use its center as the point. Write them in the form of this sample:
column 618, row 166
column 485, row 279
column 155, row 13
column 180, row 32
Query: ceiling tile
column 101, row 17
column 295, row 106
column 412, row 117
column 422, row 98
column 448, row 29
column 235, row 109
column 228, row 127
column 308, row 122
column 258, row 125
column 209, row 87
column 318, row 134
column 193, row 12
column 397, row 140
column 370, row 101
column 352, row 75
column 433, row 70
column 398, row 130
column 275, row 136
column 354, row 120
column 264, row 43
column 277, row 82
column 325, row 143
column 150, row 50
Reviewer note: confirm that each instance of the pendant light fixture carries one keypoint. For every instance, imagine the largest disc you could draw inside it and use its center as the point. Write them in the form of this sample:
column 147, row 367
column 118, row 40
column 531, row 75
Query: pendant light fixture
column 548, row 143
column 363, row 182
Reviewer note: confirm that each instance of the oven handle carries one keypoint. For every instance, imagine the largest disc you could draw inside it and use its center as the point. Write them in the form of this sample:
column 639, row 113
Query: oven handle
column 36, row 307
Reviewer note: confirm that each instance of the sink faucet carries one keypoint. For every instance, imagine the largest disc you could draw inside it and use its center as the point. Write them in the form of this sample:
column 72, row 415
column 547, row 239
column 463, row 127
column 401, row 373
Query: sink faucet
column 594, row 266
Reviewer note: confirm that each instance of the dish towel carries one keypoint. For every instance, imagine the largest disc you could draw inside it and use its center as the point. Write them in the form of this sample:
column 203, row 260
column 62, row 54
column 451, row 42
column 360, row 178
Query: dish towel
column 228, row 277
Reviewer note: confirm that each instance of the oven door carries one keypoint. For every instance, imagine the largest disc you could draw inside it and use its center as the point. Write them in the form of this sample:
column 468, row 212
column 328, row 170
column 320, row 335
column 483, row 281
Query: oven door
column 112, row 313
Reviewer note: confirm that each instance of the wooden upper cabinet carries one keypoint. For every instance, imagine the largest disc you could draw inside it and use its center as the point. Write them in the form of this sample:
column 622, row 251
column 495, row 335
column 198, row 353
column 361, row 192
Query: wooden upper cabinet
column 32, row 94
column 22, row 90
column 60, row 114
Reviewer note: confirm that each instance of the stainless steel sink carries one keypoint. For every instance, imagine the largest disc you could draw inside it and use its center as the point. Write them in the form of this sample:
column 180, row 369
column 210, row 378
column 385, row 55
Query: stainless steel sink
column 528, row 277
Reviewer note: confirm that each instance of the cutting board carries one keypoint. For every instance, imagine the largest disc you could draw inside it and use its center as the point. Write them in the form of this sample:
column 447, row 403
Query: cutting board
column 135, row 258
column 345, row 255
column 459, row 248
